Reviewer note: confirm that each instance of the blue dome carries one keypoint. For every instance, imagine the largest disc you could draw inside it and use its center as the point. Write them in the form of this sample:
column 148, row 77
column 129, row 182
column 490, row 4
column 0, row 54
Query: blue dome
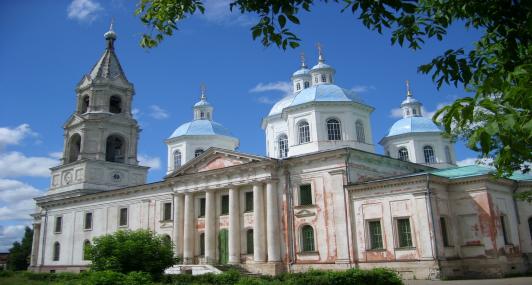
column 316, row 93
column 321, row 65
column 301, row 71
column 413, row 125
column 201, row 128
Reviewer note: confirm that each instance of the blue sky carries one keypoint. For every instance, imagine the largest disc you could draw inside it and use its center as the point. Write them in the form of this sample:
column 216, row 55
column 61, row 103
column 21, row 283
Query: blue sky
column 48, row 45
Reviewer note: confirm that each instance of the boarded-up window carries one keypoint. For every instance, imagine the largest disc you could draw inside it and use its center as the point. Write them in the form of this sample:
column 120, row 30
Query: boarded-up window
column 404, row 233
column 375, row 235
column 305, row 194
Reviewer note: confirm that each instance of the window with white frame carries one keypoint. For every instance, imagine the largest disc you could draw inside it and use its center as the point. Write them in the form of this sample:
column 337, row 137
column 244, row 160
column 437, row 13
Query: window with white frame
column 428, row 152
column 298, row 86
column 303, row 132
column 323, row 78
column 177, row 159
column 283, row 145
column 402, row 154
column 359, row 127
column 334, row 132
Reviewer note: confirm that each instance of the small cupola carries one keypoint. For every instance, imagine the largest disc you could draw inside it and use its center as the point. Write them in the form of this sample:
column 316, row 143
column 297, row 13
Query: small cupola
column 203, row 109
column 322, row 73
column 301, row 78
column 411, row 107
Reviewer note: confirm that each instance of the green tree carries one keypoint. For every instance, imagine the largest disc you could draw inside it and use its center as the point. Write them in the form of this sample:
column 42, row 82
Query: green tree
column 19, row 254
column 128, row 251
column 496, row 121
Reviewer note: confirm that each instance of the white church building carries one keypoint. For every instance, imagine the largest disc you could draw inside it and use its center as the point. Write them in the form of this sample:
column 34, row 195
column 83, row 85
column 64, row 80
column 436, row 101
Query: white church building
column 320, row 198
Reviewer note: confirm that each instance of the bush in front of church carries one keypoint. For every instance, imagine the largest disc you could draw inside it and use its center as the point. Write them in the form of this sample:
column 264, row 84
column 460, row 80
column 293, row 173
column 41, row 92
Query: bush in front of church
column 129, row 251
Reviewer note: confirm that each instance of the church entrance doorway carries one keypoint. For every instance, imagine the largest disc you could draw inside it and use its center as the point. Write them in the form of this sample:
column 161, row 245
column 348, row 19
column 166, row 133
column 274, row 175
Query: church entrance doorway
column 223, row 246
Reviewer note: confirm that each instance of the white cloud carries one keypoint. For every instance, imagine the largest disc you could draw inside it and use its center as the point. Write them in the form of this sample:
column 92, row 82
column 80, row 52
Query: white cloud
column 362, row 88
column 158, row 113
column 14, row 191
column 136, row 113
column 13, row 136
column 84, row 10
column 16, row 164
column 474, row 161
column 151, row 161
column 10, row 234
column 218, row 12
column 280, row 86
column 56, row 154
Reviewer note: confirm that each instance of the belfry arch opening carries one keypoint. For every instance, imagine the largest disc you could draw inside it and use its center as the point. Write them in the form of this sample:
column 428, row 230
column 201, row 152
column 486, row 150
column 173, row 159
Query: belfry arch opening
column 115, row 149
column 84, row 104
column 115, row 104
column 74, row 148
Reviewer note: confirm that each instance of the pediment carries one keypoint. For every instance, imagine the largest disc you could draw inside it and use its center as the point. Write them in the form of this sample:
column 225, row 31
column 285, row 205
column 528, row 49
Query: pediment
column 73, row 120
column 215, row 158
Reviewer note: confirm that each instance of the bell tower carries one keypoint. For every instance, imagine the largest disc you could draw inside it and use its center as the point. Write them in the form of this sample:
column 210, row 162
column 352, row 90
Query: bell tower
column 101, row 136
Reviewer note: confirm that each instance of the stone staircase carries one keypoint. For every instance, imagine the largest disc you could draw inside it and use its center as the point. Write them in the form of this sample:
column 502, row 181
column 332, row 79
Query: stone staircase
column 239, row 269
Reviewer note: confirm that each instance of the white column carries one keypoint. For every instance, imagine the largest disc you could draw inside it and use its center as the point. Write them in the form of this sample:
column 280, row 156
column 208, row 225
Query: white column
column 35, row 245
column 259, row 235
column 178, row 224
column 210, row 230
column 188, row 235
column 272, row 222
column 234, row 226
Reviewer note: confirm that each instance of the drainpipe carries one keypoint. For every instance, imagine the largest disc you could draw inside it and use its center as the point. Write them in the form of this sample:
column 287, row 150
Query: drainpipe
column 431, row 216
column 347, row 203
column 290, row 221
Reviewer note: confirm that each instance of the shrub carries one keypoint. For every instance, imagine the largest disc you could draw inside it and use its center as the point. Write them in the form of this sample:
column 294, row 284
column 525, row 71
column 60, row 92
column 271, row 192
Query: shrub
column 137, row 278
column 6, row 273
column 128, row 251
column 105, row 277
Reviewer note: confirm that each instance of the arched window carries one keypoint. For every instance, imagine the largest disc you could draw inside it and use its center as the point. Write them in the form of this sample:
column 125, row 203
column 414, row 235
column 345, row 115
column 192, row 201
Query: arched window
column 402, row 154
column 202, row 115
column 333, row 130
column 323, row 78
column 429, row 154
column 177, row 159
column 361, row 137
column 57, row 250
column 298, row 86
column 303, row 130
column 249, row 241
column 84, row 104
column 448, row 156
column 414, row 111
column 198, row 152
column 307, row 239
column 283, row 146
column 74, row 148
column 115, row 149
column 115, row 105
column 307, row 84
column 316, row 78
column 86, row 249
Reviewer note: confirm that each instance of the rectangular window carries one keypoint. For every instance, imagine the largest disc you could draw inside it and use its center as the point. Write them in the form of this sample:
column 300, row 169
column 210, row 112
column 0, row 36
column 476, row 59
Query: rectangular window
column 58, row 224
column 404, row 233
column 123, row 217
column 202, row 207
column 249, row 201
column 375, row 235
column 202, row 244
column 167, row 211
column 305, row 194
column 444, row 233
column 505, row 231
column 225, row 204
column 88, row 221
column 249, row 242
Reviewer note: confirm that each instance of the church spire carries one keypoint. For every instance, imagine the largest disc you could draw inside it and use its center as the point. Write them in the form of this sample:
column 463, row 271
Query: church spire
column 203, row 109
column 108, row 66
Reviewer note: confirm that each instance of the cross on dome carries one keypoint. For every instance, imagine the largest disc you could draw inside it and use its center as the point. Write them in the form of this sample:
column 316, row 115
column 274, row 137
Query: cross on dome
column 320, row 52
column 302, row 57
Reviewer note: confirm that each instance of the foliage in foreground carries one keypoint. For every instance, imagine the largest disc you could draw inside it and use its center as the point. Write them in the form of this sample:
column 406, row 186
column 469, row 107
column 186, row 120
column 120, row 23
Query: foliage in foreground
column 377, row 276
column 19, row 254
column 496, row 121
column 129, row 251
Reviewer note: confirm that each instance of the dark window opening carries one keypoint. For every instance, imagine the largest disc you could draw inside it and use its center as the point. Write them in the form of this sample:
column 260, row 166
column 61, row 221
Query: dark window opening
column 88, row 221
column 202, row 244
column 167, row 211
column 375, row 235
column 198, row 152
column 225, row 204
column 444, row 233
column 404, row 233
column 86, row 249
column 307, row 238
column 74, row 148
column 84, row 104
column 249, row 201
column 115, row 105
column 115, row 149
column 57, row 249
column 58, row 224
column 123, row 217
column 202, row 207
column 305, row 194
column 249, row 241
